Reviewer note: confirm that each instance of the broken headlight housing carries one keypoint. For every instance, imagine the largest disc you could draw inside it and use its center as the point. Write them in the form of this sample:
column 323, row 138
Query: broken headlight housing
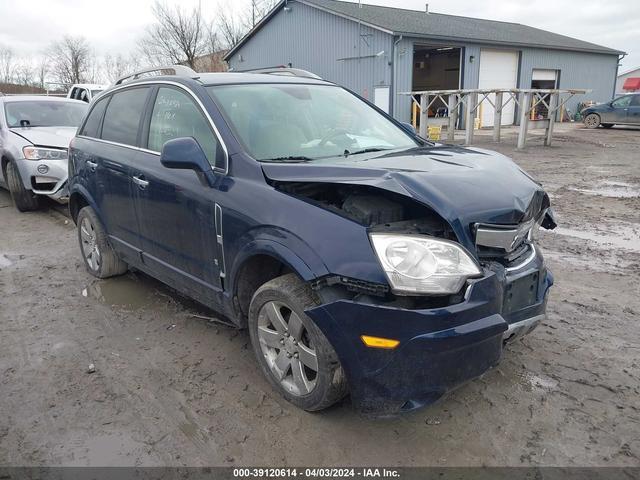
column 38, row 153
column 417, row 264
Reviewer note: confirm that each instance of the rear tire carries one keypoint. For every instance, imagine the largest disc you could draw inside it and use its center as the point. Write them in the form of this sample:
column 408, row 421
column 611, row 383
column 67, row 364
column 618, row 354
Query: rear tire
column 294, row 355
column 99, row 258
column 592, row 120
column 24, row 200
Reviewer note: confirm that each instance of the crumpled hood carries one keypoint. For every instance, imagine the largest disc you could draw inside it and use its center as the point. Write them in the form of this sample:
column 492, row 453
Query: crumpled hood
column 463, row 185
column 58, row 137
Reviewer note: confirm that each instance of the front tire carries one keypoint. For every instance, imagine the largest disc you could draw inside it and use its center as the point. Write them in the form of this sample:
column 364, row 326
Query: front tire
column 99, row 258
column 592, row 120
column 24, row 200
column 294, row 355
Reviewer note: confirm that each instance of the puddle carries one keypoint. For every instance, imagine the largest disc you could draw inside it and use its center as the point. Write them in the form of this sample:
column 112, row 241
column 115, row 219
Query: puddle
column 612, row 189
column 126, row 292
column 595, row 263
column 6, row 260
column 540, row 382
column 626, row 237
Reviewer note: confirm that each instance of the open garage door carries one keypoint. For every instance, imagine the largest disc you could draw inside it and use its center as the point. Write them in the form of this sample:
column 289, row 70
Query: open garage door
column 435, row 67
column 498, row 69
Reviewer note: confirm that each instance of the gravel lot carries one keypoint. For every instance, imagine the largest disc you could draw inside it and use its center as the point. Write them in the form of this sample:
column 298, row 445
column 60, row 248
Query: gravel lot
column 171, row 388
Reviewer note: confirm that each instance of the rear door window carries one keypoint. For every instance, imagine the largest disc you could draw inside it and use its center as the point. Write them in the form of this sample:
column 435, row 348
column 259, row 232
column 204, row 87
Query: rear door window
column 91, row 126
column 635, row 101
column 175, row 115
column 122, row 118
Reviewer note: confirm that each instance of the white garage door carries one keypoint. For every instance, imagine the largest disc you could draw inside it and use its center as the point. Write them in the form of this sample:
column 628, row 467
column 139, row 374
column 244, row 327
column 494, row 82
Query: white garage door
column 498, row 69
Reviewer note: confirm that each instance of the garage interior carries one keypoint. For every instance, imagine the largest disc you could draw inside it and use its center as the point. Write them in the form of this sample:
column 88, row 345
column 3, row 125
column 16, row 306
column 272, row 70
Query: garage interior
column 545, row 80
column 436, row 68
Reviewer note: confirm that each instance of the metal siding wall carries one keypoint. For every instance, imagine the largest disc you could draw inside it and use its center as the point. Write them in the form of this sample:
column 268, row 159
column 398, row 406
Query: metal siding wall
column 471, row 69
column 403, row 74
column 314, row 40
column 577, row 70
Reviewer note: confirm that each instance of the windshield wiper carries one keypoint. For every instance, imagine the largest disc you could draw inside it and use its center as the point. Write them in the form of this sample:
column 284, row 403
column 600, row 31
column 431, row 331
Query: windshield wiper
column 290, row 159
column 365, row 150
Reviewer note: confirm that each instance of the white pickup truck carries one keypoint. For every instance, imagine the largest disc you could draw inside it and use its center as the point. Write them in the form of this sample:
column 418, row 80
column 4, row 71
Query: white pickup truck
column 85, row 91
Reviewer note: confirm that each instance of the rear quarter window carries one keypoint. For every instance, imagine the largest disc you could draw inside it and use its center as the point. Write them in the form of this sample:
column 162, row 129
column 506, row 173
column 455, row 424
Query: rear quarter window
column 123, row 114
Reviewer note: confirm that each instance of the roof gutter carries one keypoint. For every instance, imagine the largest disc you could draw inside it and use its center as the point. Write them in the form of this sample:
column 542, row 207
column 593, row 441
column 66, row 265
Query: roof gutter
column 479, row 41
column 615, row 79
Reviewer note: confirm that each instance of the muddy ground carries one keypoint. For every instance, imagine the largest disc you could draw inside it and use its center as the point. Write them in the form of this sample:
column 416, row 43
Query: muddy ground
column 171, row 388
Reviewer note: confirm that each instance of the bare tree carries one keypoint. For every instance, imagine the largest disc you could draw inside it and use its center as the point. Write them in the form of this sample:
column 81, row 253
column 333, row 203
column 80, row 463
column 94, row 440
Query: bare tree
column 7, row 64
column 42, row 70
column 117, row 66
column 258, row 9
column 24, row 73
column 234, row 26
column 178, row 36
column 71, row 60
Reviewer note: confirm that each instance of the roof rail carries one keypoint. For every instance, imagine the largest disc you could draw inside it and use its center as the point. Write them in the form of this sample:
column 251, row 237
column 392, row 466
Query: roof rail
column 288, row 71
column 179, row 70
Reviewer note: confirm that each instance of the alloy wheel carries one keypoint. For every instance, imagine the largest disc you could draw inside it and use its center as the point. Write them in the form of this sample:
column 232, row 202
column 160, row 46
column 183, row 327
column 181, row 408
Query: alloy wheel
column 287, row 348
column 89, row 244
column 592, row 120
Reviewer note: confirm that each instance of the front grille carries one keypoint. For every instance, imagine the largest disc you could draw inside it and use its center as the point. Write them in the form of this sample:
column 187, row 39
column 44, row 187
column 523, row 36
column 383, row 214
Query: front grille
column 508, row 245
column 516, row 257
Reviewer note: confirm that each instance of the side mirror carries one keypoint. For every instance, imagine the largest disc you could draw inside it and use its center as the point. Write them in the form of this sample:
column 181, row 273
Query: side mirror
column 408, row 127
column 185, row 153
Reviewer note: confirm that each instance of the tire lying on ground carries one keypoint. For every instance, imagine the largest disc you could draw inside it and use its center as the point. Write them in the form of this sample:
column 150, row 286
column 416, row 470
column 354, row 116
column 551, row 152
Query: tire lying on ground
column 293, row 354
column 99, row 258
column 24, row 200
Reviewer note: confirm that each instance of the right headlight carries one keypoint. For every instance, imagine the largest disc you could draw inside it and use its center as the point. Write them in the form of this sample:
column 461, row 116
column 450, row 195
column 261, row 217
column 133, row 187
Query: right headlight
column 417, row 264
column 38, row 153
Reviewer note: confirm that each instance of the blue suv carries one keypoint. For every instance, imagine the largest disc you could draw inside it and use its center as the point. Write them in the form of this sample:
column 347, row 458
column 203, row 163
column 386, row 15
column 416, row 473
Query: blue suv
column 362, row 258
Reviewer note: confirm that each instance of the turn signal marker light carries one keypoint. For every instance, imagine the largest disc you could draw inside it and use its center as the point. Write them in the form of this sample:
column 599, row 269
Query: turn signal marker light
column 378, row 342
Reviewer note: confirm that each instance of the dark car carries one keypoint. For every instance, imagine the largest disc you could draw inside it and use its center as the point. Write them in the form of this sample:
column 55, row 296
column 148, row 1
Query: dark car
column 624, row 110
column 362, row 258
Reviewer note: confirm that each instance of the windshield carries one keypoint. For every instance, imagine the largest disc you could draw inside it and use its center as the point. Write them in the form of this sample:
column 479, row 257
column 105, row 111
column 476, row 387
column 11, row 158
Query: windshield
column 42, row 113
column 279, row 122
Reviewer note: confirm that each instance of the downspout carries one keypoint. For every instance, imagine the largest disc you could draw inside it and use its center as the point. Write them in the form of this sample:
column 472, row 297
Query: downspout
column 393, row 76
column 615, row 80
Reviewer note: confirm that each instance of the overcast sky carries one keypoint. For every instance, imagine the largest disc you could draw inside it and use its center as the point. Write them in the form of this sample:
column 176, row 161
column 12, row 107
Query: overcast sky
column 113, row 26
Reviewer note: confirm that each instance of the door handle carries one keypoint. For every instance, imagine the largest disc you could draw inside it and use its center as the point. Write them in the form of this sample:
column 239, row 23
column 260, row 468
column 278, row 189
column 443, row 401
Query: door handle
column 92, row 165
column 141, row 182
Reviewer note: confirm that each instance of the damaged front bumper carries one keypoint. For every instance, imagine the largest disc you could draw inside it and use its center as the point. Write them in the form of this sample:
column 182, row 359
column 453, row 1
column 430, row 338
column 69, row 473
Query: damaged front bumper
column 45, row 177
column 439, row 348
